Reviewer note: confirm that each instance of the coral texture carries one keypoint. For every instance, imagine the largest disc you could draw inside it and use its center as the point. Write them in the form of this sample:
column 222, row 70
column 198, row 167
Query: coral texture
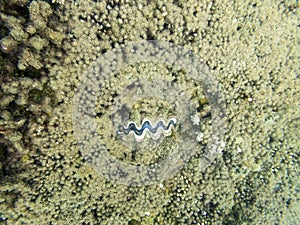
column 251, row 47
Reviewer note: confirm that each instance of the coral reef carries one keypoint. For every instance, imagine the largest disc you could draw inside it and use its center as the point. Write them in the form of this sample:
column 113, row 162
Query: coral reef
column 252, row 48
column 31, row 36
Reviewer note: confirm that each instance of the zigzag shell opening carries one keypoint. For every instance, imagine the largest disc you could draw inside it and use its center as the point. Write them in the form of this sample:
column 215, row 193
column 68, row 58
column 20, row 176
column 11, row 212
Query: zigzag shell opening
column 154, row 132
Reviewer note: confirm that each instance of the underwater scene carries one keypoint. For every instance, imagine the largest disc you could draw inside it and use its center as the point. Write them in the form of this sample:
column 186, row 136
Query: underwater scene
column 141, row 112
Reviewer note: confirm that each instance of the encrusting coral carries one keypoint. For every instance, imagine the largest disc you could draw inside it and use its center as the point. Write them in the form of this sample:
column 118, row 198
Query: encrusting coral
column 31, row 36
column 252, row 48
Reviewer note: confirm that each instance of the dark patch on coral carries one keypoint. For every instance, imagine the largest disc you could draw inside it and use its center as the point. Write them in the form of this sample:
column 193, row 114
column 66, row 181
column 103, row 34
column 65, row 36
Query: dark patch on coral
column 134, row 222
column 150, row 35
column 235, row 217
column 4, row 31
column 9, row 161
column 14, row 9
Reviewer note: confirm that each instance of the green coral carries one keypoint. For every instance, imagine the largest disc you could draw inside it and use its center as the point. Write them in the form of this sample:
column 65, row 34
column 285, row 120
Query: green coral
column 32, row 35
column 253, row 50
